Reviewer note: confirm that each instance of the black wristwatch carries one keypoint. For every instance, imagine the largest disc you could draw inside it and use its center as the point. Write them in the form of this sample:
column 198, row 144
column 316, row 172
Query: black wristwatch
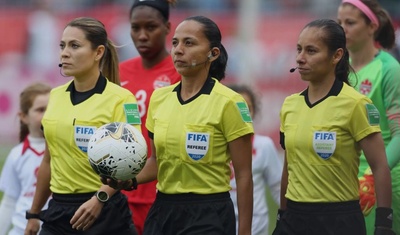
column 29, row 215
column 102, row 196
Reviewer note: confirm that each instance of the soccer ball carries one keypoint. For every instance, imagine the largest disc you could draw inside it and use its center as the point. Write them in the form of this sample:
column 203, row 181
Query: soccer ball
column 117, row 150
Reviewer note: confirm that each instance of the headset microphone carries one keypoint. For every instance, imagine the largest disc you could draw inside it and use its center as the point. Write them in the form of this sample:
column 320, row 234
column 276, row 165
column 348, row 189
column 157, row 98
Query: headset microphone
column 293, row 69
column 60, row 65
column 194, row 64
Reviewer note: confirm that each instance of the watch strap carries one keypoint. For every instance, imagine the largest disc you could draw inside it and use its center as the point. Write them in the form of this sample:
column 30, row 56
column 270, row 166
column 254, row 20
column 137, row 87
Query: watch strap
column 29, row 215
column 133, row 186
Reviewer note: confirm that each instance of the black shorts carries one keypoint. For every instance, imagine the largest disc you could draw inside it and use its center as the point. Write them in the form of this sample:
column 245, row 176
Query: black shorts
column 341, row 218
column 115, row 217
column 194, row 214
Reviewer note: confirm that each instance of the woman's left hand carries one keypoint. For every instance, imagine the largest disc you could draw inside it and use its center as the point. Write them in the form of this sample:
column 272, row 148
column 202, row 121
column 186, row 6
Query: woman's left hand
column 116, row 184
column 87, row 214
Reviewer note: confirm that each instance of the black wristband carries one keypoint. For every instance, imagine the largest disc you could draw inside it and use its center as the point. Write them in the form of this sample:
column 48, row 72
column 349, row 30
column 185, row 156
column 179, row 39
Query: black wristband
column 133, row 186
column 280, row 214
column 29, row 215
column 384, row 217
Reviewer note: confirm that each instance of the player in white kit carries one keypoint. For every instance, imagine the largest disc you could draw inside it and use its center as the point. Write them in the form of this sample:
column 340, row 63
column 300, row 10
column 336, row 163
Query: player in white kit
column 18, row 176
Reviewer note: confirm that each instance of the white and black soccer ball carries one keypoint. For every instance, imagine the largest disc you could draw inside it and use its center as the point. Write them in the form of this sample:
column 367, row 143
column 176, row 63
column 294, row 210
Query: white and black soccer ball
column 117, row 150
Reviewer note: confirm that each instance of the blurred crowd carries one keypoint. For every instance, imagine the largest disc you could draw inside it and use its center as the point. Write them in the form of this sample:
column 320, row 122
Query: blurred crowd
column 30, row 51
column 272, row 6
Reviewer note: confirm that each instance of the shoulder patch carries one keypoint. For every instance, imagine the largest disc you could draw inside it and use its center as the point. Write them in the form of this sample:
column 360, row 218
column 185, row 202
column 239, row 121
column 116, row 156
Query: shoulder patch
column 244, row 111
column 373, row 114
column 132, row 114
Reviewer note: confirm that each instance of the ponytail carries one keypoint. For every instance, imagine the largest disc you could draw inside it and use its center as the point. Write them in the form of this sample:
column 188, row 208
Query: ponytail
column 109, row 63
column 218, row 66
column 385, row 34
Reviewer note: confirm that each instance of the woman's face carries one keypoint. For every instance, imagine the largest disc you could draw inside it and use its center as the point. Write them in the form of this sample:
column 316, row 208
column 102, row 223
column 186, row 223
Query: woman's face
column 35, row 114
column 190, row 48
column 358, row 32
column 148, row 31
column 77, row 56
column 313, row 57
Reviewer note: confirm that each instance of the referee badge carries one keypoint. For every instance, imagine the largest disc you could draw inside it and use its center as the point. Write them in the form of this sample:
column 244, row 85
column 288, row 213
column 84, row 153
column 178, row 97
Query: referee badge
column 244, row 111
column 197, row 144
column 132, row 114
column 82, row 135
column 324, row 143
column 373, row 114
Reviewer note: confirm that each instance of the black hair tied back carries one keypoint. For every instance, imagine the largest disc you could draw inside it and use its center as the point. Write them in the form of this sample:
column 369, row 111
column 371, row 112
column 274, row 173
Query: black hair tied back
column 161, row 5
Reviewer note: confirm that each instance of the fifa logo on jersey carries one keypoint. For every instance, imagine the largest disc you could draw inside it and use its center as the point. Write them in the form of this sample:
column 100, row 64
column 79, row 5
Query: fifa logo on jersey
column 82, row 136
column 323, row 136
column 84, row 130
column 197, row 137
column 197, row 145
column 324, row 143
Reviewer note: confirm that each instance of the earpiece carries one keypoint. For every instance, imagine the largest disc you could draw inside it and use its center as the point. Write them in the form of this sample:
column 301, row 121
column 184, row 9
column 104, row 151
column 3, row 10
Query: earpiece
column 210, row 56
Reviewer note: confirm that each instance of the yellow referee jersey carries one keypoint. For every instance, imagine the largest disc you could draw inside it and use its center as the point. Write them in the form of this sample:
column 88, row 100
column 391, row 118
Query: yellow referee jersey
column 321, row 143
column 191, row 137
column 68, row 127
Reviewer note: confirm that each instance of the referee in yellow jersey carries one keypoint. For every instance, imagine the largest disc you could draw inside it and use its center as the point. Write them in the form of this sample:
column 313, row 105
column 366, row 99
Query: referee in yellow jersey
column 197, row 127
column 323, row 130
column 80, row 203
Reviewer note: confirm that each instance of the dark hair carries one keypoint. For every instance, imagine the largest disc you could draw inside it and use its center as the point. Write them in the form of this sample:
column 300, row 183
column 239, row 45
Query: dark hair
column 96, row 33
column 243, row 89
column 335, row 38
column 385, row 34
column 161, row 5
column 213, row 34
column 26, row 99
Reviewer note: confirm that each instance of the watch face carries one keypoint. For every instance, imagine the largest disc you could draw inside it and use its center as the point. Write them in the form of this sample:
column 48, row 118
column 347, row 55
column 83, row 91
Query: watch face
column 102, row 196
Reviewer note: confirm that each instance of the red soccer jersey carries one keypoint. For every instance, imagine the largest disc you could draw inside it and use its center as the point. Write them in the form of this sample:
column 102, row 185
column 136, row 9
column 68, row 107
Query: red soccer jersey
column 142, row 82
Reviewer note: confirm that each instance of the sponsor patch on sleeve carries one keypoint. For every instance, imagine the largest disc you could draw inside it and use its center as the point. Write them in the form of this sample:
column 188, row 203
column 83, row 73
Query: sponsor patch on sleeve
column 132, row 114
column 373, row 114
column 244, row 111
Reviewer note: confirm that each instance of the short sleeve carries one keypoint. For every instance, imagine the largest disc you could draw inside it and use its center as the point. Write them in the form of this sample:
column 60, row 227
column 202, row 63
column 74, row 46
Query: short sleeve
column 364, row 119
column 128, row 111
column 236, row 119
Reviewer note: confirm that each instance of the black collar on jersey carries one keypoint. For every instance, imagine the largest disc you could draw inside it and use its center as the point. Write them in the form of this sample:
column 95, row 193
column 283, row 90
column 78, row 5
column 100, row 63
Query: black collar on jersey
column 78, row 97
column 335, row 90
column 205, row 90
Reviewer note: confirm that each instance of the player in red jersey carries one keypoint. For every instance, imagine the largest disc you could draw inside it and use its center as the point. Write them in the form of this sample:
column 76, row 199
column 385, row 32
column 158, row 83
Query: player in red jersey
column 154, row 68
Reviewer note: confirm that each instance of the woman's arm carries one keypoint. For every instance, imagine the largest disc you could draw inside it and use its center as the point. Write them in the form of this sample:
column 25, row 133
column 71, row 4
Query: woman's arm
column 374, row 150
column 273, row 171
column 391, row 102
column 241, row 154
column 284, row 183
column 42, row 193
column 150, row 169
